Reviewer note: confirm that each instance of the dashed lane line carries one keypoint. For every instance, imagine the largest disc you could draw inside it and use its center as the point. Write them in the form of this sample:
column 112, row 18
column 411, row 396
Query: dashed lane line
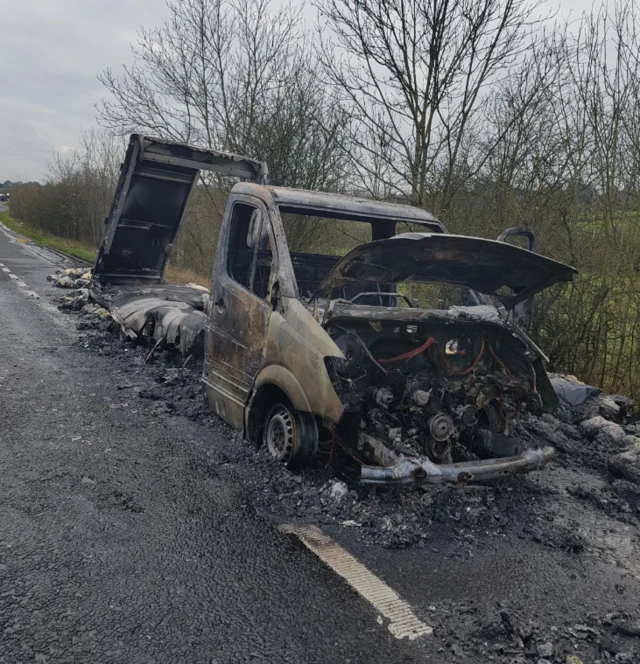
column 33, row 295
column 28, row 293
column 403, row 623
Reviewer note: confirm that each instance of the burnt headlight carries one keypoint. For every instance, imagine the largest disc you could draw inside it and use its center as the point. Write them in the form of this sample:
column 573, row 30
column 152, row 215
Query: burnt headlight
column 354, row 355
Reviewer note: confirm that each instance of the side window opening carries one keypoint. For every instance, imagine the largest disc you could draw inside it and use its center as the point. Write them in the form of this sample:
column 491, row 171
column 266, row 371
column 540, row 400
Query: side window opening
column 249, row 257
column 317, row 242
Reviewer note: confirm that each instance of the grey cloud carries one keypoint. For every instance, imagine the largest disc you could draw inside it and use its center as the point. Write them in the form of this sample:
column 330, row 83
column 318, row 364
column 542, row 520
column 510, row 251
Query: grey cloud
column 51, row 52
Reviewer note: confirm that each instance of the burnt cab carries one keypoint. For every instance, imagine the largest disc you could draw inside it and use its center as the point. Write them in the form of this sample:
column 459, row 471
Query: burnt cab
column 339, row 320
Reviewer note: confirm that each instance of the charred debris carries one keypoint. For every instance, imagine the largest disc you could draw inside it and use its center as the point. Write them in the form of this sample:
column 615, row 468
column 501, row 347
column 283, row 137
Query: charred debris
column 312, row 354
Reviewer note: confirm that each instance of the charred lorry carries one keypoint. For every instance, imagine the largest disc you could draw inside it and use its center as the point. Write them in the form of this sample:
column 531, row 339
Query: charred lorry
column 337, row 322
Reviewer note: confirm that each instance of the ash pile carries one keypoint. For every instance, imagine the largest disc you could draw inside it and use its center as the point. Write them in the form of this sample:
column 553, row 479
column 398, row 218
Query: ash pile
column 596, row 429
column 169, row 383
column 163, row 315
column 76, row 280
column 75, row 277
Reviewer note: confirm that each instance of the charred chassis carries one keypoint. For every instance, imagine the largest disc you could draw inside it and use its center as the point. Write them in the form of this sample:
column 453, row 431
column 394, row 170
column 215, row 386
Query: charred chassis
column 310, row 353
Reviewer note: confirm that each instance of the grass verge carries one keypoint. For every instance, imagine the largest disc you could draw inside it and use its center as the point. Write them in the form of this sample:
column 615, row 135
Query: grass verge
column 174, row 275
column 66, row 246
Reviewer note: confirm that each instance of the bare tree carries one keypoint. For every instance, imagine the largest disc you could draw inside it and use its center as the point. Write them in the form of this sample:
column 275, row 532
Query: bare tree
column 606, row 80
column 575, row 176
column 415, row 74
column 232, row 75
column 85, row 179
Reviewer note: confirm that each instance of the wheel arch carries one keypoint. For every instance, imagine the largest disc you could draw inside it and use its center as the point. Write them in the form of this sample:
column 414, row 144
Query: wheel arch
column 272, row 384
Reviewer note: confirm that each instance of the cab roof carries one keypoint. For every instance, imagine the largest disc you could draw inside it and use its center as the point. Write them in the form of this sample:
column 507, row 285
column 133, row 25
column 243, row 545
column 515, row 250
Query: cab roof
column 340, row 206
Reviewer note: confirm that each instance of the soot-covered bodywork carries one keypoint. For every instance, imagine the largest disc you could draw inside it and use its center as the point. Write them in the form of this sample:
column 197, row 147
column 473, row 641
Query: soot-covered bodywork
column 318, row 335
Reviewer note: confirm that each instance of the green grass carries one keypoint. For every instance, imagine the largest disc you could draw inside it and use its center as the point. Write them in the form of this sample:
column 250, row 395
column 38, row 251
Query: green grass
column 48, row 240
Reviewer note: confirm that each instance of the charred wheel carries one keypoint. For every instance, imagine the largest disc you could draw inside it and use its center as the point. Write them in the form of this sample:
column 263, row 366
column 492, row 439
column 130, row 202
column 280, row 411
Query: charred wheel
column 290, row 436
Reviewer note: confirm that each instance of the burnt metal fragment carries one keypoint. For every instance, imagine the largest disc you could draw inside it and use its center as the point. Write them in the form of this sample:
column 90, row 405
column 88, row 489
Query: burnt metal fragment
column 424, row 470
column 495, row 444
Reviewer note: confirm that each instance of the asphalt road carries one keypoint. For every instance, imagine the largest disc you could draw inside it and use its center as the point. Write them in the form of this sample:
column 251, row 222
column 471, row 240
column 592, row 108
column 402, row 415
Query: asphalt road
column 118, row 540
column 134, row 534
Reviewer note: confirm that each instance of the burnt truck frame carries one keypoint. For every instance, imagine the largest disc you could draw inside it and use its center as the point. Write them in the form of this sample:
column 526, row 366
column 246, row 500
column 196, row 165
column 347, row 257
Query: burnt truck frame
column 310, row 352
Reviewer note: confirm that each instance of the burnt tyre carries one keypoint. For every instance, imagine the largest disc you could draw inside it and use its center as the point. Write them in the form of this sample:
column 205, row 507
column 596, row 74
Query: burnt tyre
column 290, row 437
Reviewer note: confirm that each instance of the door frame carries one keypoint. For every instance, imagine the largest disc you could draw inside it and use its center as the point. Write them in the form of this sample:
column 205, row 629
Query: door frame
column 228, row 387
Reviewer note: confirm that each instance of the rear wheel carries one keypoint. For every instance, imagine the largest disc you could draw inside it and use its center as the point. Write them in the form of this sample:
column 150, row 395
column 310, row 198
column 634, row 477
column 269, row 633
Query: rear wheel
column 290, row 436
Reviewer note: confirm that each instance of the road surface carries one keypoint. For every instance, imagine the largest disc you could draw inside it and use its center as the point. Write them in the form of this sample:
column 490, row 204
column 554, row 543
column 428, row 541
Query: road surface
column 117, row 546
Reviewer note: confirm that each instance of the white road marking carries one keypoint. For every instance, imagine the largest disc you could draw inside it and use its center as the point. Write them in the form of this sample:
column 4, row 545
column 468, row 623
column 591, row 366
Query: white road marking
column 55, row 314
column 403, row 623
column 29, row 293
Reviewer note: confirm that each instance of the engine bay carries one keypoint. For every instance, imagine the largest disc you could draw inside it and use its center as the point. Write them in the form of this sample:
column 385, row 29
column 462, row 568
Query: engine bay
column 450, row 391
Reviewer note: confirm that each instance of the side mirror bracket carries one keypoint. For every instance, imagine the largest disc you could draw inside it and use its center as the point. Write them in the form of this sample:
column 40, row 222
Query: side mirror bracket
column 522, row 314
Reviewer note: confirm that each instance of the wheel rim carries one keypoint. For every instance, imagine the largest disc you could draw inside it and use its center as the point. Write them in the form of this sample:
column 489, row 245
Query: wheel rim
column 280, row 434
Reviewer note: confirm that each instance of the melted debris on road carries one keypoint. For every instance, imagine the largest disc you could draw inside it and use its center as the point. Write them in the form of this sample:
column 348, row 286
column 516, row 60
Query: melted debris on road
column 73, row 277
column 600, row 437
column 586, row 503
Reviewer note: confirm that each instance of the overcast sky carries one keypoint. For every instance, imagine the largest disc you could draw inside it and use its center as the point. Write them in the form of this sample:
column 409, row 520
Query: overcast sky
column 51, row 52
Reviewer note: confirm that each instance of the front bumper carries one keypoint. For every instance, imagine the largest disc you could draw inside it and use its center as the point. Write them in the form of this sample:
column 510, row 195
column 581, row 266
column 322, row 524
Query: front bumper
column 419, row 471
